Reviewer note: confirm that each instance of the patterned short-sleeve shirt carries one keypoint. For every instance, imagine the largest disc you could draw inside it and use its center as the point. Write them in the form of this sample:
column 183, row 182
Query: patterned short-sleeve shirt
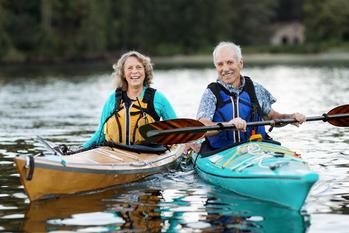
column 208, row 101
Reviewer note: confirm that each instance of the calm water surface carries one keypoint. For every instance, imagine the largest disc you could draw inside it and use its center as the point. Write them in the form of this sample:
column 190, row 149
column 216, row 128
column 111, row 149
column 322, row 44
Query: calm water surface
column 64, row 107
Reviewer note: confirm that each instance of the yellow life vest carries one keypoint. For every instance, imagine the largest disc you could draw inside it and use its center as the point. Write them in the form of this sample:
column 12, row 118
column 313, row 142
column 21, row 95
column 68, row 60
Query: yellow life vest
column 122, row 127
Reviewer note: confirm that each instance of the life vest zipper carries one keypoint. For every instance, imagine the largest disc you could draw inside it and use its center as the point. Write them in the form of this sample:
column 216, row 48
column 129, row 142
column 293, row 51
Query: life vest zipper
column 128, row 125
column 235, row 104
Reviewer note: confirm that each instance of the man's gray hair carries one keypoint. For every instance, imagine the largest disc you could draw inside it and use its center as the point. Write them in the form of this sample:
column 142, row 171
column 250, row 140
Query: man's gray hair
column 234, row 47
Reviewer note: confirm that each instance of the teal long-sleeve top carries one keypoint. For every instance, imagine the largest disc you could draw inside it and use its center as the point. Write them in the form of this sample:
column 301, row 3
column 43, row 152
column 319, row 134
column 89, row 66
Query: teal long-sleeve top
column 162, row 107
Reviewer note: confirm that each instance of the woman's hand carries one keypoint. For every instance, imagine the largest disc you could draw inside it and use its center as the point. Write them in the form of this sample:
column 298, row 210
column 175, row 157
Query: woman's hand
column 192, row 146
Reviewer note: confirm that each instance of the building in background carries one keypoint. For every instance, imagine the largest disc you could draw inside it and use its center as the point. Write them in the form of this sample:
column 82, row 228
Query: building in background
column 287, row 33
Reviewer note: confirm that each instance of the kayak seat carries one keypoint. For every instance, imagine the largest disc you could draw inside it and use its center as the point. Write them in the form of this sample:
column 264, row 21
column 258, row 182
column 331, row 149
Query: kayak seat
column 206, row 150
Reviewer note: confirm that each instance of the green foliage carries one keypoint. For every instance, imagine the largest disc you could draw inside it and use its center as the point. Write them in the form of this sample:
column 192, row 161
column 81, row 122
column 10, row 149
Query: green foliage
column 288, row 10
column 166, row 49
column 92, row 34
column 60, row 30
column 4, row 39
column 288, row 49
column 21, row 24
column 327, row 20
column 251, row 21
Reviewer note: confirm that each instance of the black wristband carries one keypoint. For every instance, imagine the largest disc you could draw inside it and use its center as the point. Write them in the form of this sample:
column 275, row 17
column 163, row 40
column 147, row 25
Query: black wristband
column 220, row 125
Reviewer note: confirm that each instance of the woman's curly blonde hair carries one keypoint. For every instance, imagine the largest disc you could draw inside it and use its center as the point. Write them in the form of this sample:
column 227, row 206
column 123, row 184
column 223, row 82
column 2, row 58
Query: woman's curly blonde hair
column 119, row 74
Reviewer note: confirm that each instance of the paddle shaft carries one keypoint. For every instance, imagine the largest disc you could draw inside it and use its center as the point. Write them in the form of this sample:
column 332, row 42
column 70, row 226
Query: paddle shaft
column 43, row 141
column 200, row 129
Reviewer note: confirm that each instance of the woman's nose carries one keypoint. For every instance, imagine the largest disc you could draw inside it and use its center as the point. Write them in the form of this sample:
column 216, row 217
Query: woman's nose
column 133, row 70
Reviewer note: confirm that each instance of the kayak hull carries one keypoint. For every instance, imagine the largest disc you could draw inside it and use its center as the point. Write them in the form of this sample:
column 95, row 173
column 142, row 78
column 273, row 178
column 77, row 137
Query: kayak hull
column 260, row 170
column 90, row 170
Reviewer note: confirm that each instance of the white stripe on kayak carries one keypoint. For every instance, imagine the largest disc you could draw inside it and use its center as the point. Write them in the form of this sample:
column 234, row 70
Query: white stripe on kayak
column 215, row 158
column 110, row 155
column 128, row 155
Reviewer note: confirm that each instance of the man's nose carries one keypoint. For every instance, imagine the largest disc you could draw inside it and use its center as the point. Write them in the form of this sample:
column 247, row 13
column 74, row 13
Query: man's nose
column 225, row 67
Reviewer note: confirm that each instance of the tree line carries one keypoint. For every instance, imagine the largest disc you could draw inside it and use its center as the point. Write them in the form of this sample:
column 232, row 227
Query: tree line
column 61, row 30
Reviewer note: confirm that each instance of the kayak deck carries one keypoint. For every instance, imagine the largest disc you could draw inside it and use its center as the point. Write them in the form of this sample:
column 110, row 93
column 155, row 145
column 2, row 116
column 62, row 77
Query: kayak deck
column 261, row 170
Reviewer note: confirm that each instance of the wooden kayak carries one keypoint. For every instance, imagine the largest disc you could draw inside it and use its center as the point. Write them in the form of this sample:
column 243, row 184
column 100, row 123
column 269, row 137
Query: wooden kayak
column 261, row 170
column 50, row 175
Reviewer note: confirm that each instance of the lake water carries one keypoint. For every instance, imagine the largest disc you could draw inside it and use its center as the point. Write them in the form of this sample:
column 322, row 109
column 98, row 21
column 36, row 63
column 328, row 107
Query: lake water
column 63, row 106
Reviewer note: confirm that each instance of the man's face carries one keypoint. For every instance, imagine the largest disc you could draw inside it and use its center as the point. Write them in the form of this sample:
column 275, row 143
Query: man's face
column 228, row 66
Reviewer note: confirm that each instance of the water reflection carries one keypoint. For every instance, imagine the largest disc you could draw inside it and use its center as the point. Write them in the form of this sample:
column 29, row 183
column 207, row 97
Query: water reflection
column 70, row 213
column 151, row 210
column 219, row 210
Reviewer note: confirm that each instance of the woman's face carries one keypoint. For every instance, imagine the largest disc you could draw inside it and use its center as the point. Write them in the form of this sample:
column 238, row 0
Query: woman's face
column 134, row 72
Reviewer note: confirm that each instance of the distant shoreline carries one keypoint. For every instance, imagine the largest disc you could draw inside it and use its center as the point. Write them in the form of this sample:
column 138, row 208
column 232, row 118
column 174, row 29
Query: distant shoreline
column 263, row 58
column 199, row 60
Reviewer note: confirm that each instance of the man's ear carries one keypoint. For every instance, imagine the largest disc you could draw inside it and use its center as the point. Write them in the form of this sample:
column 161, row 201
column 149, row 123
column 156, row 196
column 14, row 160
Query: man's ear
column 241, row 63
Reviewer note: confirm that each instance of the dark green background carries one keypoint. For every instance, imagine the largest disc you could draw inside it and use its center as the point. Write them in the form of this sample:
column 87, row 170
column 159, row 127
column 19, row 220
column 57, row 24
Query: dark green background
column 68, row 30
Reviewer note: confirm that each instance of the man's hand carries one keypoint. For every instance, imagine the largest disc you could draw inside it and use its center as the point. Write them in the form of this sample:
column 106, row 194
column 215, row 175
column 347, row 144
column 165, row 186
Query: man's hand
column 300, row 118
column 239, row 123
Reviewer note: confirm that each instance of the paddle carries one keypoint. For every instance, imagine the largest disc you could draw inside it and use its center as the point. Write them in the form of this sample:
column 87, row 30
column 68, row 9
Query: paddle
column 43, row 141
column 184, row 130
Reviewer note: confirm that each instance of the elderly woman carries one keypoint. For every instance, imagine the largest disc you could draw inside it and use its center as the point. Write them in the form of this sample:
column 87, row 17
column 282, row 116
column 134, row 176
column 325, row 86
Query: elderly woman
column 134, row 103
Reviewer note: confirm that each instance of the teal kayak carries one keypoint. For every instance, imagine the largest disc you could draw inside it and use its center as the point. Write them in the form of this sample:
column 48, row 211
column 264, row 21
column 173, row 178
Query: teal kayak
column 265, row 171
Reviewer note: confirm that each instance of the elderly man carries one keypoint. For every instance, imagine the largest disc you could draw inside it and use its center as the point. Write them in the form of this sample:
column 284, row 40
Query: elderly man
column 236, row 99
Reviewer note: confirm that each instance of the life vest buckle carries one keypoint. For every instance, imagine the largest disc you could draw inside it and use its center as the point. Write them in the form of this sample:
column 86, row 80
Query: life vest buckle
column 256, row 138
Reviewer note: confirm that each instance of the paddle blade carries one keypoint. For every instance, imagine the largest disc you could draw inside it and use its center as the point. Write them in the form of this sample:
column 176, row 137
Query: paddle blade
column 156, row 132
column 343, row 116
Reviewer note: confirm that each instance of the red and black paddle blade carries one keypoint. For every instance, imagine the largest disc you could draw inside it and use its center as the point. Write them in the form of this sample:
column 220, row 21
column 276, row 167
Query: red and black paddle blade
column 185, row 130
column 153, row 132
column 342, row 113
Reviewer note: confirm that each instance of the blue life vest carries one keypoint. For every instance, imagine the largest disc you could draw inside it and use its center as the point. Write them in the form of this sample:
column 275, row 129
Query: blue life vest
column 230, row 106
